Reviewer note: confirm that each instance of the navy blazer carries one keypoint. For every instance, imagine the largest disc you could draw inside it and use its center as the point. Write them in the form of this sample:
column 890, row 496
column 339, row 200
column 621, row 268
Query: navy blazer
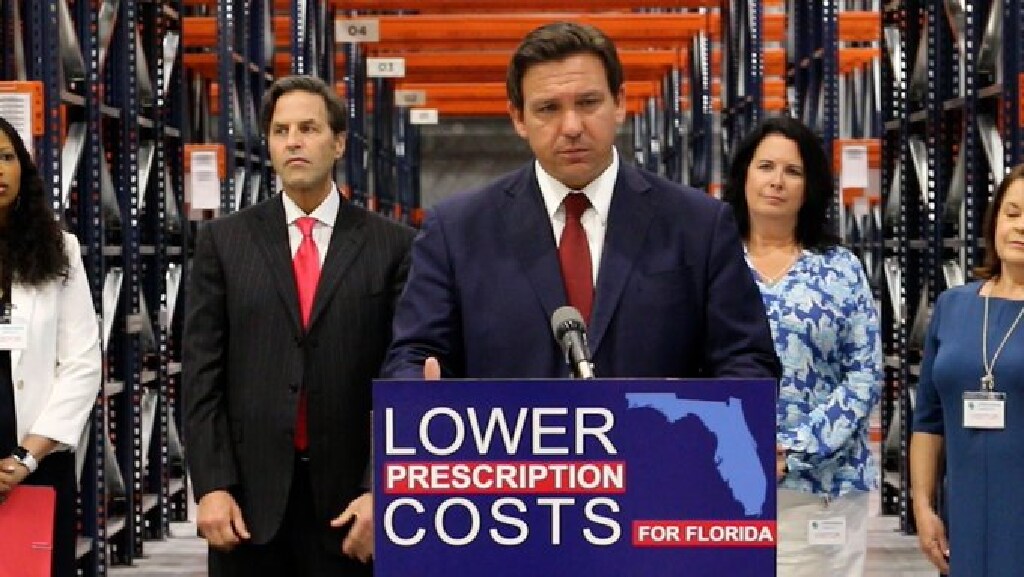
column 674, row 295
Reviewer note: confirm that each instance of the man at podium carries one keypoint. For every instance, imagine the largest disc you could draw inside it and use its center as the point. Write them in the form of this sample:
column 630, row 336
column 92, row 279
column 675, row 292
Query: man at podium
column 656, row 269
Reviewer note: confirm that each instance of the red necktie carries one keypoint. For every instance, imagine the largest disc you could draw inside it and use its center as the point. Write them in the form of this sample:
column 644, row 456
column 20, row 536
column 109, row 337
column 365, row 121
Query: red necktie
column 574, row 256
column 307, row 273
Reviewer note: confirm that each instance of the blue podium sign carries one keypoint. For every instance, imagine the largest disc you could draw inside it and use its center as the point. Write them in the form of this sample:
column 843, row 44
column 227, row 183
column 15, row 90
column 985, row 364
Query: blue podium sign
column 607, row 477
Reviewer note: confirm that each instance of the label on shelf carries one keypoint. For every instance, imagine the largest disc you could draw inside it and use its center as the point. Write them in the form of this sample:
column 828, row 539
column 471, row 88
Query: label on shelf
column 204, row 180
column 410, row 97
column 854, row 168
column 357, row 30
column 16, row 107
column 385, row 67
column 21, row 103
column 423, row 116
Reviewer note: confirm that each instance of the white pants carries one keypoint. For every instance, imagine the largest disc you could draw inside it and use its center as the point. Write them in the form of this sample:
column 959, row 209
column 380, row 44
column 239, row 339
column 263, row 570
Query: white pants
column 798, row 558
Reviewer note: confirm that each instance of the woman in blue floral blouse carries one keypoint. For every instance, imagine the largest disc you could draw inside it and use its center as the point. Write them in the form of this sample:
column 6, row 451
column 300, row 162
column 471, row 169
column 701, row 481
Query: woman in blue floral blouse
column 826, row 332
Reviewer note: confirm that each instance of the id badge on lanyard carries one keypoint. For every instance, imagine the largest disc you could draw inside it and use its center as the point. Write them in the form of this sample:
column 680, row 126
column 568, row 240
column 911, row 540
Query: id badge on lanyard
column 984, row 410
column 13, row 331
column 827, row 528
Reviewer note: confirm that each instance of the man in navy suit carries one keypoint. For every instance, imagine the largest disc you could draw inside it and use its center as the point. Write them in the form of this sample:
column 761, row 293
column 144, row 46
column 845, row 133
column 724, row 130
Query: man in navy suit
column 657, row 269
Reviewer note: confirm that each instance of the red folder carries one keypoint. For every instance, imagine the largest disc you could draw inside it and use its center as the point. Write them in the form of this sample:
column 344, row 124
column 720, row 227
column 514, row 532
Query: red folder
column 26, row 532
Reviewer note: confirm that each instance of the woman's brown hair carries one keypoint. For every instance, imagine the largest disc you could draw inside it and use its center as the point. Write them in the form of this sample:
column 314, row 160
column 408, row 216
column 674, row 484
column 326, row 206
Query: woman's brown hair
column 992, row 266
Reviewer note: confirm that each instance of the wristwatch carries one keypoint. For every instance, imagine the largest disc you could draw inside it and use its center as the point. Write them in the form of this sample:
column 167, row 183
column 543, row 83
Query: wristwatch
column 24, row 458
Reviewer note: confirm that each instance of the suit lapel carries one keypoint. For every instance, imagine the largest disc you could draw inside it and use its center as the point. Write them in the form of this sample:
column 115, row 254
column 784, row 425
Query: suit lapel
column 629, row 216
column 23, row 301
column 347, row 240
column 271, row 233
column 529, row 231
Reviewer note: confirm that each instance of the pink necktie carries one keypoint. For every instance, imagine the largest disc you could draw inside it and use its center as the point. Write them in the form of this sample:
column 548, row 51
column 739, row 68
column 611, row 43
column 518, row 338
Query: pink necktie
column 306, row 266
column 574, row 256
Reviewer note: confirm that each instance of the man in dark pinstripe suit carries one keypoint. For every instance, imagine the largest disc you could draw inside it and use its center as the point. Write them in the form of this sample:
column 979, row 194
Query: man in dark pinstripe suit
column 277, row 380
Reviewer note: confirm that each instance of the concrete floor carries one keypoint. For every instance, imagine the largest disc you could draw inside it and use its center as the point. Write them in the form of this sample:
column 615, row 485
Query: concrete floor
column 891, row 554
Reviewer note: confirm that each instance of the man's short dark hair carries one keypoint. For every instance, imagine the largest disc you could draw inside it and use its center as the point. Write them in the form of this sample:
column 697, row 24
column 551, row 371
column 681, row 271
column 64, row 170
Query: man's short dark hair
column 336, row 110
column 558, row 41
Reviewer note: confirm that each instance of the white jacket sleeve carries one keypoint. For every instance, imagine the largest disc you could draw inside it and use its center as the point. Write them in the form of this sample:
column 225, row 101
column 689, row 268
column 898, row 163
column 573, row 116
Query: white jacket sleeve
column 78, row 368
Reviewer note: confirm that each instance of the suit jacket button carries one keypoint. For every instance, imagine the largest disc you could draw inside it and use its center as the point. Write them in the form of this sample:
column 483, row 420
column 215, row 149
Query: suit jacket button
column 21, row 384
column 294, row 387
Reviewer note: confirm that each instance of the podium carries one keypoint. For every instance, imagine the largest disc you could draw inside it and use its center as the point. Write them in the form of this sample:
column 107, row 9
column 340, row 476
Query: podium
column 604, row 477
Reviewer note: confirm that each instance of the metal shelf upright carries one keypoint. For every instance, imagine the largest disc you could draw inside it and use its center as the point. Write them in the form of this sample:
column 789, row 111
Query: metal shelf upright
column 356, row 149
column 90, row 225
column 407, row 168
column 1012, row 78
column 122, row 247
column 743, row 71
column 163, row 234
column 913, row 129
column 896, row 175
column 383, row 196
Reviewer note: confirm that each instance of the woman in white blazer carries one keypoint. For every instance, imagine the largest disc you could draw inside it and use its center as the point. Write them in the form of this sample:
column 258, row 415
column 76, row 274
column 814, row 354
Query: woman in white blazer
column 50, row 366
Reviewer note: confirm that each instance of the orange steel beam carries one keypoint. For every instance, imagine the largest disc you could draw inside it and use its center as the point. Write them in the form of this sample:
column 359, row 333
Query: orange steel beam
column 437, row 93
column 496, row 90
column 775, row 103
column 851, row 58
column 491, row 66
column 505, row 31
column 774, row 88
column 464, row 77
column 282, row 26
column 773, row 28
column 442, row 6
column 774, row 62
column 859, row 26
column 491, row 98
column 199, row 31
column 660, row 60
column 496, row 108
column 434, row 6
column 205, row 63
column 454, row 43
column 454, row 66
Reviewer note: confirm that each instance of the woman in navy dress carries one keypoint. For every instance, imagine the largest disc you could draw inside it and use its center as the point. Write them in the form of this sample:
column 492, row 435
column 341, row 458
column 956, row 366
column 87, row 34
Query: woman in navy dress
column 970, row 407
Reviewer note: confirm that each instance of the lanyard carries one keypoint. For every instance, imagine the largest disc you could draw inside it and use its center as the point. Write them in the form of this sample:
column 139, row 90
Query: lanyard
column 988, row 381
column 5, row 292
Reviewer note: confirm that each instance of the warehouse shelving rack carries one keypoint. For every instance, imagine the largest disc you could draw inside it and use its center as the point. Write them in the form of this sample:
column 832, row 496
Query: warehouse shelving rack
column 108, row 157
column 952, row 130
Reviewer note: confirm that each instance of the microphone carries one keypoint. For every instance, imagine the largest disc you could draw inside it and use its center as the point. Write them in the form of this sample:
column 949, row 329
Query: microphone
column 571, row 333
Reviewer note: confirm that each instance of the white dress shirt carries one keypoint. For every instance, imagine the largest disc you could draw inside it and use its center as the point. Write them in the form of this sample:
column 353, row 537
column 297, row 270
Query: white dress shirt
column 325, row 215
column 594, row 219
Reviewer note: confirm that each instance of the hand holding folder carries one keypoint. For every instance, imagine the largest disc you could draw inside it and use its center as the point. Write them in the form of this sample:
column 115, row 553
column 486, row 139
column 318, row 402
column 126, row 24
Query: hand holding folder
column 26, row 531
